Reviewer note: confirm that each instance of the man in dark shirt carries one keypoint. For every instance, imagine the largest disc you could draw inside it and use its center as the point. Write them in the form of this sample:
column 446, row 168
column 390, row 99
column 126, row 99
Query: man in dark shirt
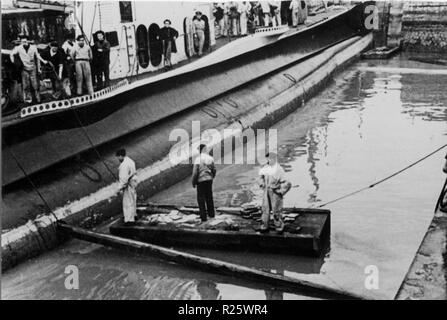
column 55, row 58
column 203, row 175
column 168, row 35
column 101, row 60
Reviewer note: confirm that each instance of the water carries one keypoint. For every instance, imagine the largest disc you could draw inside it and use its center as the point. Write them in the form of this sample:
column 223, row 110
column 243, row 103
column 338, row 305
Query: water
column 374, row 119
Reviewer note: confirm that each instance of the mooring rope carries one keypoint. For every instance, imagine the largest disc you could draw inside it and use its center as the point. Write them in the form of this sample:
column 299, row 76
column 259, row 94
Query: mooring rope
column 40, row 195
column 95, row 149
column 382, row 180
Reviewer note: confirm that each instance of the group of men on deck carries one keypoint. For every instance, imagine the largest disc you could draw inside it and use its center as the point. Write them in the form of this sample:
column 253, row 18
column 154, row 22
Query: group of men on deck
column 272, row 182
column 80, row 64
column 232, row 18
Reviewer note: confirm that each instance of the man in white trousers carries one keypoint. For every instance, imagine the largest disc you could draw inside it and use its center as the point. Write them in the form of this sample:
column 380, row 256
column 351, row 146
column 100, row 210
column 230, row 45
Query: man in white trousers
column 128, row 183
column 275, row 7
column 295, row 8
column 265, row 9
column 244, row 8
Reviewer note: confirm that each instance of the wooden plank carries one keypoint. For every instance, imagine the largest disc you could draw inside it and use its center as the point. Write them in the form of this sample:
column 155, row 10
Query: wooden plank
column 220, row 239
column 214, row 265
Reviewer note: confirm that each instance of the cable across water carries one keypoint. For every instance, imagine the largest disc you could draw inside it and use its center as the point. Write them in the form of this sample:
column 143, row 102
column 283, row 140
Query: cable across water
column 384, row 179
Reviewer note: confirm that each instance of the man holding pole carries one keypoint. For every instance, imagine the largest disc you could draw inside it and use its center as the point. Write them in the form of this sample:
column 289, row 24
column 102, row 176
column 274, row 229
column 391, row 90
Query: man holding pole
column 275, row 187
column 128, row 183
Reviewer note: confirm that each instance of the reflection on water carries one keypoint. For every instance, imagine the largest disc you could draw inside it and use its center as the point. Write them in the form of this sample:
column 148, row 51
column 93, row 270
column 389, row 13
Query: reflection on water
column 110, row 274
column 370, row 122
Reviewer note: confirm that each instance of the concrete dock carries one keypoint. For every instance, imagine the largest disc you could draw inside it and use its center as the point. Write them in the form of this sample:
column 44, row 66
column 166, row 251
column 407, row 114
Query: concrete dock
column 427, row 276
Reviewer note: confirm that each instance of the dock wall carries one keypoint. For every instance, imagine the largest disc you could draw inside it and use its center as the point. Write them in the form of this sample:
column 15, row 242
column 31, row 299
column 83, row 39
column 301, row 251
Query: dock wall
column 424, row 26
column 40, row 234
column 427, row 276
column 416, row 26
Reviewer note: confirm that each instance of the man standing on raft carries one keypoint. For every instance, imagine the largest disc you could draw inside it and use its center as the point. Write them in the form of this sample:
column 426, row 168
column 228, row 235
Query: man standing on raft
column 275, row 187
column 203, row 174
column 128, row 183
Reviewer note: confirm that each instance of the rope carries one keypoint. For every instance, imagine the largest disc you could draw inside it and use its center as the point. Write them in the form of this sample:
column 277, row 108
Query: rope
column 382, row 180
column 99, row 178
column 93, row 22
column 92, row 144
column 31, row 182
column 99, row 15
column 82, row 30
column 36, row 189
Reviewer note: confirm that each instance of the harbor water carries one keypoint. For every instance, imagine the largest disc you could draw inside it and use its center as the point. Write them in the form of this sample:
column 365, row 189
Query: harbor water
column 373, row 119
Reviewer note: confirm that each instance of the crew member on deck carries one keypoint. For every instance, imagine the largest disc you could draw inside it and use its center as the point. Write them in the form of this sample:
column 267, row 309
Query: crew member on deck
column 295, row 7
column 55, row 61
column 199, row 26
column 82, row 56
column 218, row 13
column 168, row 35
column 128, row 183
column 275, row 12
column 30, row 67
column 101, row 60
column 265, row 12
column 234, row 18
column 274, row 186
column 68, row 48
column 203, row 174
column 244, row 9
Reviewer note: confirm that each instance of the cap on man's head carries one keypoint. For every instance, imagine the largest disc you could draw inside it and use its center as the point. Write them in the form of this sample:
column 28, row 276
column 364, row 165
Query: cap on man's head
column 100, row 32
column 80, row 37
column 121, row 153
column 168, row 21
